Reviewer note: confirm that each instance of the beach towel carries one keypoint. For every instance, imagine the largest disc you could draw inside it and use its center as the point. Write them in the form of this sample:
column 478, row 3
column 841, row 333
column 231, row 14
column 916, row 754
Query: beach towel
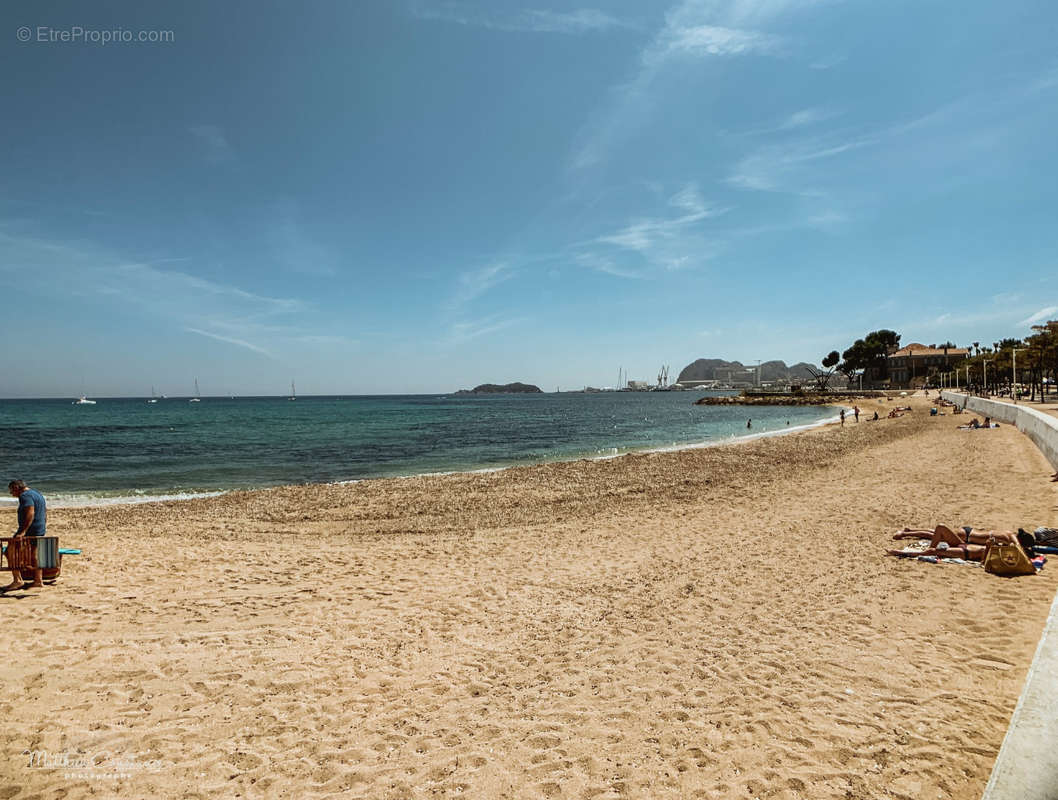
column 1047, row 536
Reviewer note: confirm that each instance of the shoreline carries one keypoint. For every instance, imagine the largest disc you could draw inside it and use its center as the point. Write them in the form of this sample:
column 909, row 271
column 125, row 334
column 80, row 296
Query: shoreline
column 711, row 622
column 96, row 501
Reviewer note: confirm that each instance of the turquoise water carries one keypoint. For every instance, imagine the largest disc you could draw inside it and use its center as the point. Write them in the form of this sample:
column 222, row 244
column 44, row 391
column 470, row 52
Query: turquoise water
column 128, row 449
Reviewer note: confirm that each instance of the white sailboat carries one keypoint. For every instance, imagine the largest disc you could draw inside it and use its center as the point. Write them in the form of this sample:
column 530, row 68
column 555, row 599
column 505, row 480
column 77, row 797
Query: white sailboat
column 154, row 398
column 293, row 394
column 83, row 401
column 196, row 398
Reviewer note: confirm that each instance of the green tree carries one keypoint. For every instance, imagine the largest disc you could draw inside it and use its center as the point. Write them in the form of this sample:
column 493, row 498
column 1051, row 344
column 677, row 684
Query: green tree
column 1042, row 355
column 870, row 355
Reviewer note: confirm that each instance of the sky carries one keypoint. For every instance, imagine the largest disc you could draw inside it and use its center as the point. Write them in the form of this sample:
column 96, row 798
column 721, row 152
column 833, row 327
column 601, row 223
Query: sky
column 421, row 195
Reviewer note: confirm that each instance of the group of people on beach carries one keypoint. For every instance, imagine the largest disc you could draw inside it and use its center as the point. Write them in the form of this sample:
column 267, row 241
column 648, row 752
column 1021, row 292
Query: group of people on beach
column 32, row 522
column 855, row 413
column 946, row 543
column 973, row 545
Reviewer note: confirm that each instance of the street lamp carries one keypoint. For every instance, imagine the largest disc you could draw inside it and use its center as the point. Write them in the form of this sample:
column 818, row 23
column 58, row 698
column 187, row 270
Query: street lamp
column 984, row 363
column 1014, row 374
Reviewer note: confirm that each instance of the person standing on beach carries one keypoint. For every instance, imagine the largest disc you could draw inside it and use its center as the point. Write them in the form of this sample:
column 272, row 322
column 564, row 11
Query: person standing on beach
column 32, row 520
column 842, row 416
column 856, row 411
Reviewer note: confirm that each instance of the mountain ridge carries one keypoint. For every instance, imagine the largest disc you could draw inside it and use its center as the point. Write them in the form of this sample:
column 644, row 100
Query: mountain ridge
column 717, row 369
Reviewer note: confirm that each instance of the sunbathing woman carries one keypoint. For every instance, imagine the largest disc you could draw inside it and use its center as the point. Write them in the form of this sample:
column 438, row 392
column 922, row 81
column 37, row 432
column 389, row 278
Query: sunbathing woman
column 970, row 547
column 967, row 552
column 942, row 533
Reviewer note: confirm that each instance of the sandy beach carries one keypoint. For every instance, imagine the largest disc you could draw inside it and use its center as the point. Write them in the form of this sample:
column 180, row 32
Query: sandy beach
column 710, row 623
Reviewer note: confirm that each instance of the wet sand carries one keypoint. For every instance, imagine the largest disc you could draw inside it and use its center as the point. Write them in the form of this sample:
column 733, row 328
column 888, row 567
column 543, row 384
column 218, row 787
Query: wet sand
column 708, row 623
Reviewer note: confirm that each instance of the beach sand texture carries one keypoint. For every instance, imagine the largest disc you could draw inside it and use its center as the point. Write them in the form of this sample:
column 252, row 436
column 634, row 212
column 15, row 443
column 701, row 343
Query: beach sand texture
column 710, row 623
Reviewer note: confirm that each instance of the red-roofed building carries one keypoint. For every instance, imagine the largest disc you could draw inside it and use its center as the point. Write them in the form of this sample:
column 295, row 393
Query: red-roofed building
column 913, row 364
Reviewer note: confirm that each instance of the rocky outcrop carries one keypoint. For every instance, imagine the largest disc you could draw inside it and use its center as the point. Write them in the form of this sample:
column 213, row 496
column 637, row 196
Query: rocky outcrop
column 716, row 369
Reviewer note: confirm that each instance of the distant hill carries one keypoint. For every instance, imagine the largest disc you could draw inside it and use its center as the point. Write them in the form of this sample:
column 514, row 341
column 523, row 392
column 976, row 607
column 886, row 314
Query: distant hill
column 716, row 369
column 507, row 388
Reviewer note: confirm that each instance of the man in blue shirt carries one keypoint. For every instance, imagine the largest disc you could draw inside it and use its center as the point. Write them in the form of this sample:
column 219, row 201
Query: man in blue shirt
column 32, row 520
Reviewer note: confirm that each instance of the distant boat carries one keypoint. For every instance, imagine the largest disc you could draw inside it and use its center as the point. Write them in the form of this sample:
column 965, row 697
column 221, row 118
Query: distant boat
column 83, row 401
column 293, row 394
column 196, row 398
column 153, row 399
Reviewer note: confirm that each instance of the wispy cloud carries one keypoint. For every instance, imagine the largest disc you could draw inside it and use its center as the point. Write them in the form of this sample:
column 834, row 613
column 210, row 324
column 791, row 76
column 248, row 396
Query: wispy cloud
column 598, row 263
column 714, row 40
column 806, row 117
column 966, row 324
column 669, row 243
column 958, row 133
column 474, row 283
column 230, row 340
column 778, row 168
column 213, row 143
column 828, row 62
column 1006, row 298
column 466, row 330
column 579, row 21
column 693, row 30
column 644, row 235
column 152, row 287
column 1043, row 315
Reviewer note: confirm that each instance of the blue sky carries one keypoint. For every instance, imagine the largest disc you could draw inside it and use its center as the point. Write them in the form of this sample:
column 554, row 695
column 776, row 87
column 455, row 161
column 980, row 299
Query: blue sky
column 421, row 196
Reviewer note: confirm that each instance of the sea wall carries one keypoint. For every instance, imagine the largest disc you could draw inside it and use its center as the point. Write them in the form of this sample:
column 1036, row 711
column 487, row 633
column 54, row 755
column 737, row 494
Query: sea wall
column 1041, row 428
column 1026, row 768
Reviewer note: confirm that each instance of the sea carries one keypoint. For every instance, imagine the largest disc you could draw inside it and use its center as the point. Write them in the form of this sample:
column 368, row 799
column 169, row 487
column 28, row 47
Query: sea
column 124, row 450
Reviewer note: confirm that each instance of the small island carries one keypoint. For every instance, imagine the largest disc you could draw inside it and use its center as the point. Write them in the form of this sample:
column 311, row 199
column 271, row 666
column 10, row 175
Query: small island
column 507, row 388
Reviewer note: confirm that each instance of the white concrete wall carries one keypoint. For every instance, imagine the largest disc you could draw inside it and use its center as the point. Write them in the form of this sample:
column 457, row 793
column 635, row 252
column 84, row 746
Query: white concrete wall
column 1041, row 428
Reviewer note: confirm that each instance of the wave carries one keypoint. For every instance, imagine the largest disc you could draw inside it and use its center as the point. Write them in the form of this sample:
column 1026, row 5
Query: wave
column 83, row 500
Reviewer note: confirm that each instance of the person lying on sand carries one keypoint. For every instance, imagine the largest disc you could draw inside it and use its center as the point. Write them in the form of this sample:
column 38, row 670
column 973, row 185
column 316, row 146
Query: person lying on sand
column 974, row 424
column 967, row 552
column 946, row 543
column 942, row 533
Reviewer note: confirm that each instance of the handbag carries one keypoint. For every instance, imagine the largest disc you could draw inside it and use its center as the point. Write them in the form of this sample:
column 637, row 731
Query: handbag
column 1007, row 558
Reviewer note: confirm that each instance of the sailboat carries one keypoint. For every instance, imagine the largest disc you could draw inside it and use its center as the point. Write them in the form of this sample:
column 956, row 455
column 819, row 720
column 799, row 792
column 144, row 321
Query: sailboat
column 154, row 398
column 293, row 394
column 196, row 398
column 83, row 399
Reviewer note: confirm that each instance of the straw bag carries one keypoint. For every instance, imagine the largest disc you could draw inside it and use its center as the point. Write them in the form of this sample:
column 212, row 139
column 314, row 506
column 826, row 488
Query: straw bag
column 1007, row 559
